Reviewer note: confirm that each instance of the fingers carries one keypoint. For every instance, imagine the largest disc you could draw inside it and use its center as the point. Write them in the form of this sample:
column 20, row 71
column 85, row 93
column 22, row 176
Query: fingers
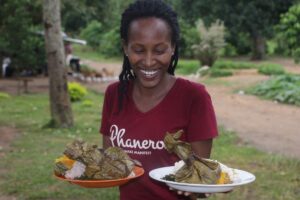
column 191, row 195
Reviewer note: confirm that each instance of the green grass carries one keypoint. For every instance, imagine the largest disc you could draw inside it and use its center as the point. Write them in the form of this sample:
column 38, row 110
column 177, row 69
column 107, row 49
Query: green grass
column 186, row 67
column 271, row 69
column 87, row 53
column 29, row 165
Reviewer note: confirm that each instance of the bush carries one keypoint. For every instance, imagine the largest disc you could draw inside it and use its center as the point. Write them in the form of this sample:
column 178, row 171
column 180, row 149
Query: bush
column 4, row 95
column 212, row 41
column 110, row 44
column 215, row 72
column 289, row 29
column 296, row 55
column 186, row 67
column 76, row 91
column 189, row 36
column 271, row 69
column 227, row 64
column 87, row 103
column 283, row 88
column 92, row 34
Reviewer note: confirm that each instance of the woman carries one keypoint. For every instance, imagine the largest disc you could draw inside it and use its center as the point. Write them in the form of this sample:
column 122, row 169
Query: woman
column 149, row 100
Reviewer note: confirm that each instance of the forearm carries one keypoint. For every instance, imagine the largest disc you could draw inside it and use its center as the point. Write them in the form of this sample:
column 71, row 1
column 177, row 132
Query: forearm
column 202, row 148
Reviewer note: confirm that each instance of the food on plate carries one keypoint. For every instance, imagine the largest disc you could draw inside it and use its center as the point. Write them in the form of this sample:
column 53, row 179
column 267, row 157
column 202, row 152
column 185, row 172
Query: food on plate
column 82, row 160
column 193, row 169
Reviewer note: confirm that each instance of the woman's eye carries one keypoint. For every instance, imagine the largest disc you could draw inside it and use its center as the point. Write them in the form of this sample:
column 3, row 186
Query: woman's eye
column 138, row 50
column 159, row 51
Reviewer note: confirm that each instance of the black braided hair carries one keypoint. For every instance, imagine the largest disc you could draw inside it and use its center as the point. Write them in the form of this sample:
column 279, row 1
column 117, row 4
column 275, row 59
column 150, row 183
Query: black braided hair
column 143, row 9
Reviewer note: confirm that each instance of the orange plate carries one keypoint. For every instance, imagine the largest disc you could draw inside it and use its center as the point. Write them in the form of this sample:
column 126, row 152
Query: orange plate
column 103, row 183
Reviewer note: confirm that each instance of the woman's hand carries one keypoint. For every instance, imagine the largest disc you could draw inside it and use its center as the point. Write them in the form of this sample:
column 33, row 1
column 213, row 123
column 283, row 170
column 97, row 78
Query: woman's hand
column 192, row 196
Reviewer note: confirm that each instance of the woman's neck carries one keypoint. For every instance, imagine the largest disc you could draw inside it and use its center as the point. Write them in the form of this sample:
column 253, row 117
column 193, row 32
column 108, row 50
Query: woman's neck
column 160, row 90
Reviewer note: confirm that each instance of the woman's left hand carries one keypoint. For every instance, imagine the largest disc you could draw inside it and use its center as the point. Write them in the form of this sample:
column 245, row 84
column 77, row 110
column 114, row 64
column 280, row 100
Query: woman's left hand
column 193, row 196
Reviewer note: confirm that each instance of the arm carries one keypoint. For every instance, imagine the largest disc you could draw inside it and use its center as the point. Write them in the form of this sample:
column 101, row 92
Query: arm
column 105, row 142
column 202, row 148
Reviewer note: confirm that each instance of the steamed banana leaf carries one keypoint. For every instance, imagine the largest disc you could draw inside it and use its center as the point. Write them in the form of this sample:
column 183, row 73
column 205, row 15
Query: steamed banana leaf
column 195, row 170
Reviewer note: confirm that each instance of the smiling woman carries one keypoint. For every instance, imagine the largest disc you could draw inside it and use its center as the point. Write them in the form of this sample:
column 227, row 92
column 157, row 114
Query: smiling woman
column 149, row 100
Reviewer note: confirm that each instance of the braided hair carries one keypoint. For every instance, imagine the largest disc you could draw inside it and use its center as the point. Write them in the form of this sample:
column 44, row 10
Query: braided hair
column 143, row 9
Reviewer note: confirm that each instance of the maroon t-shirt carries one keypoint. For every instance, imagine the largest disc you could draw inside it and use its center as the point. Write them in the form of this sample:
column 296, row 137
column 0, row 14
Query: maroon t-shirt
column 187, row 106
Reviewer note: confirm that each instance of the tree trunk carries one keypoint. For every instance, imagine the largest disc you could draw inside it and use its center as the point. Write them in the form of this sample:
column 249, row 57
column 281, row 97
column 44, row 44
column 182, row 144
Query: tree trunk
column 60, row 105
column 258, row 47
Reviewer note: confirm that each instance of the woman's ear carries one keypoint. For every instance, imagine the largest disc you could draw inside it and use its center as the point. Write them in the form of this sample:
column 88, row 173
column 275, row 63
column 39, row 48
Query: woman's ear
column 125, row 47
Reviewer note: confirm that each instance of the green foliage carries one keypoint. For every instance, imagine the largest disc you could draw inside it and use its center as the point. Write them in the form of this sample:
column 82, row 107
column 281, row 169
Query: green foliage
column 271, row 69
column 92, row 34
column 4, row 95
column 244, row 19
column 110, row 44
column 289, row 30
column 211, row 41
column 186, row 67
column 87, row 103
column 19, row 21
column 76, row 91
column 216, row 72
column 189, row 36
column 76, row 15
column 228, row 64
column 283, row 88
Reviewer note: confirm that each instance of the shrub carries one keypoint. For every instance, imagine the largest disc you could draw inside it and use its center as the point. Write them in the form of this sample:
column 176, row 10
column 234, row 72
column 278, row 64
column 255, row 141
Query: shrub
column 212, row 41
column 282, row 88
column 215, row 72
column 227, row 64
column 4, row 95
column 187, row 66
column 87, row 103
column 110, row 44
column 189, row 36
column 289, row 29
column 271, row 69
column 92, row 33
column 76, row 91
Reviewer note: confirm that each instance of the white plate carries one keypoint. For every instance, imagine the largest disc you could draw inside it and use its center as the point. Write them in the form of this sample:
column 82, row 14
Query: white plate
column 158, row 174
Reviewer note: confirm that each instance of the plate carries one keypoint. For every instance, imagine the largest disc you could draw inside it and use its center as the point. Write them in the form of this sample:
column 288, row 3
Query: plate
column 138, row 171
column 244, row 178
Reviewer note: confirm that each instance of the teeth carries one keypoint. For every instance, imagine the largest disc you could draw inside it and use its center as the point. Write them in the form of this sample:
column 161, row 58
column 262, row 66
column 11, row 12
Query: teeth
column 149, row 73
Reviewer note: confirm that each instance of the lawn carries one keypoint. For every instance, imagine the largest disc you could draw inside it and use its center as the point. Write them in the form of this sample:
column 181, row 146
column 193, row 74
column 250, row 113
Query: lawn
column 28, row 167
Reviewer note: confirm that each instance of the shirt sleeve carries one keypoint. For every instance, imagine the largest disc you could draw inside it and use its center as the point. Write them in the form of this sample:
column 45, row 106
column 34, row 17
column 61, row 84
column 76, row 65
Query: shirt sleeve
column 202, row 124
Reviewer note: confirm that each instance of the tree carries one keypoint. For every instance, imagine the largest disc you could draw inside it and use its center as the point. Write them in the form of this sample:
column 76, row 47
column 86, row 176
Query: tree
column 60, row 105
column 255, row 17
column 19, row 19
column 289, row 30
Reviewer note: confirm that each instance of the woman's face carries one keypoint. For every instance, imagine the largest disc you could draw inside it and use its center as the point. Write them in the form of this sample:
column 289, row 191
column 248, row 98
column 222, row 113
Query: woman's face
column 149, row 50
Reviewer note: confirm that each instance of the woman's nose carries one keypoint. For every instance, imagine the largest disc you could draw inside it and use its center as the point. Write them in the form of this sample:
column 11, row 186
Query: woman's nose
column 149, row 60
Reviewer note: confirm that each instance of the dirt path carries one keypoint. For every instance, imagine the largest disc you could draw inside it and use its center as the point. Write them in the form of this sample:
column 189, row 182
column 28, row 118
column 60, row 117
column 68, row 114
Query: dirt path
column 267, row 125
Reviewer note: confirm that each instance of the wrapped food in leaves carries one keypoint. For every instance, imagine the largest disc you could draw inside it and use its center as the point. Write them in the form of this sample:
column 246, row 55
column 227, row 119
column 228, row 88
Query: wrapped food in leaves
column 195, row 170
column 92, row 162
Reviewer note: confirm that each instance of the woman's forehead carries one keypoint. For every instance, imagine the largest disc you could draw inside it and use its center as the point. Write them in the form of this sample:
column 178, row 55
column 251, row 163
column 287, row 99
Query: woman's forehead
column 149, row 28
